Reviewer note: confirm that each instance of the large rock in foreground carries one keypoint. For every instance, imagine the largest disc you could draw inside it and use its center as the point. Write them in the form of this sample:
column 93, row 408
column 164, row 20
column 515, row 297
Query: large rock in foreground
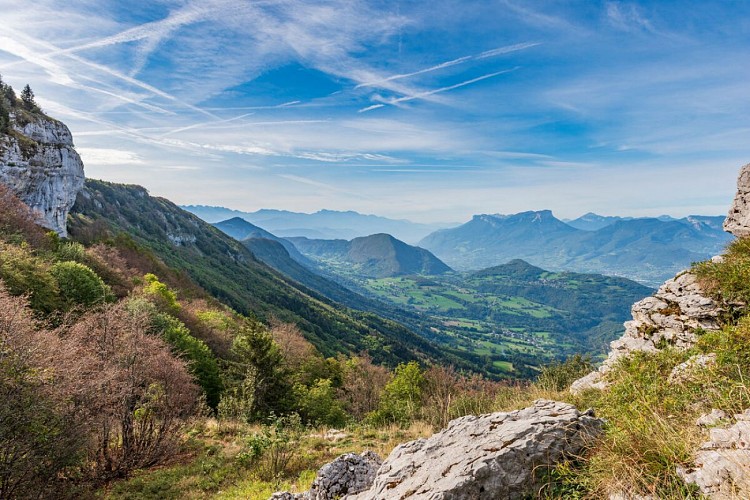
column 348, row 474
column 486, row 457
column 40, row 165
column 738, row 219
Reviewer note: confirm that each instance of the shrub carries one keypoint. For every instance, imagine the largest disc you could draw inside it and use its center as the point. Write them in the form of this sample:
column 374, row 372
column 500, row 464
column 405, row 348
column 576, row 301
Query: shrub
column 79, row 285
column 401, row 397
column 271, row 451
column 135, row 394
column 318, row 404
column 363, row 384
column 39, row 432
column 26, row 274
column 160, row 293
column 202, row 363
column 17, row 221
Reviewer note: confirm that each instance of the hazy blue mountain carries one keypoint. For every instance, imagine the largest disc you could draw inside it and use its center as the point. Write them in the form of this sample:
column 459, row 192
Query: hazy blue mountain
column 240, row 229
column 490, row 240
column 593, row 222
column 649, row 250
column 324, row 224
column 377, row 255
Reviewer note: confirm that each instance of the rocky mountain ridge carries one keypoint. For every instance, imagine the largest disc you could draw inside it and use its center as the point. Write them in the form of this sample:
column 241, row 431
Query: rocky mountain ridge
column 648, row 250
column 41, row 166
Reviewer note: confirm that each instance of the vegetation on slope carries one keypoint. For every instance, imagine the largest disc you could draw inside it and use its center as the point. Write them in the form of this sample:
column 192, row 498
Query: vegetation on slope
column 106, row 212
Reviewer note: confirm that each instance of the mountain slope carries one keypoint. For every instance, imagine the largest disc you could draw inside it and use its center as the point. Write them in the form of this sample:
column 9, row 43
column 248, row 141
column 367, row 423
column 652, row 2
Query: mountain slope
column 230, row 272
column 648, row 250
column 376, row 256
column 240, row 229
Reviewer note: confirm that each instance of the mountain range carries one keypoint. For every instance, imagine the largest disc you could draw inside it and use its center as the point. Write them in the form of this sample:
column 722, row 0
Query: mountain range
column 375, row 256
column 324, row 224
column 648, row 250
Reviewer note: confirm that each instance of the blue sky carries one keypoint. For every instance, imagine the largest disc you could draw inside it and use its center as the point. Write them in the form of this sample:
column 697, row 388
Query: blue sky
column 427, row 110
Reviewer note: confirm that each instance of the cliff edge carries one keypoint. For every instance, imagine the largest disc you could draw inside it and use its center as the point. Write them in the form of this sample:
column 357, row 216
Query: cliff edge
column 40, row 164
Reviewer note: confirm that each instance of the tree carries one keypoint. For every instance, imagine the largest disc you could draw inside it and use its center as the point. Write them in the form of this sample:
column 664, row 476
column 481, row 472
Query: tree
column 402, row 396
column 40, row 433
column 27, row 97
column 256, row 382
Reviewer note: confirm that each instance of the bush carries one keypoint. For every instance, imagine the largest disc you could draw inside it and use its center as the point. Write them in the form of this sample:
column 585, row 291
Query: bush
column 26, row 274
column 133, row 394
column 39, row 432
column 318, row 404
column 271, row 451
column 79, row 285
column 202, row 363
column 160, row 293
column 401, row 397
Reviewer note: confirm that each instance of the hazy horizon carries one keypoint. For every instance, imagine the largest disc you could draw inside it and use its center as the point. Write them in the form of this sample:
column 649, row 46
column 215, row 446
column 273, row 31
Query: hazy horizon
column 452, row 222
column 426, row 111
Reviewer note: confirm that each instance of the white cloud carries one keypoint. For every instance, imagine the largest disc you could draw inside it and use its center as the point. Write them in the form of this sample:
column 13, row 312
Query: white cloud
column 98, row 156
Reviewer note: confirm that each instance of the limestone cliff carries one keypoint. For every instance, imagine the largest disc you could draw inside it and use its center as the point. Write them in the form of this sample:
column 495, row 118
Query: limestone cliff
column 39, row 163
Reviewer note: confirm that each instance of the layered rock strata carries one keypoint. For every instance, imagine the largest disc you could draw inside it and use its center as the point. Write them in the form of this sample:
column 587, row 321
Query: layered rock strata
column 673, row 316
column 40, row 165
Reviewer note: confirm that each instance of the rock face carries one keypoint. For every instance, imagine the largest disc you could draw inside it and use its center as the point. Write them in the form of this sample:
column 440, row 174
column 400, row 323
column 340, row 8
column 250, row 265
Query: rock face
column 722, row 468
column 738, row 220
column 347, row 475
column 670, row 317
column 38, row 162
column 490, row 456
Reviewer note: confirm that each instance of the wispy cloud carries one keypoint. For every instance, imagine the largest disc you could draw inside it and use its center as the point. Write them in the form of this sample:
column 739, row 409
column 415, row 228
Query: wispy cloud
column 447, row 64
column 427, row 93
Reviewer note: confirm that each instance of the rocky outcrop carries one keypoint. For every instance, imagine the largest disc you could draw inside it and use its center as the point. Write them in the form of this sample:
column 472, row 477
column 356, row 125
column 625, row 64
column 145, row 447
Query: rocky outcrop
column 347, row 475
column 671, row 317
column 738, row 219
column 722, row 465
column 38, row 162
column 489, row 456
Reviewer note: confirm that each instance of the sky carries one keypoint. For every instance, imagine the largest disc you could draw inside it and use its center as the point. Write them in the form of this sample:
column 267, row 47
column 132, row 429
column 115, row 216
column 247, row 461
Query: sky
column 425, row 110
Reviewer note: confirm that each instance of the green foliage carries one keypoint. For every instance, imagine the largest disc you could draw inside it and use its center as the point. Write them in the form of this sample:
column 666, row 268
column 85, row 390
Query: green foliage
column 79, row 285
column 26, row 274
column 160, row 293
column 37, row 441
column 202, row 363
column 728, row 279
column 27, row 99
column 255, row 381
column 271, row 451
column 559, row 375
column 318, row 404
column 401, row 399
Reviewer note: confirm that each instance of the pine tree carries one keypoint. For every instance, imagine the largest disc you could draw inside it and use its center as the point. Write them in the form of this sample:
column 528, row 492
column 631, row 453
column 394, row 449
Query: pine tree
column 27, row 96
